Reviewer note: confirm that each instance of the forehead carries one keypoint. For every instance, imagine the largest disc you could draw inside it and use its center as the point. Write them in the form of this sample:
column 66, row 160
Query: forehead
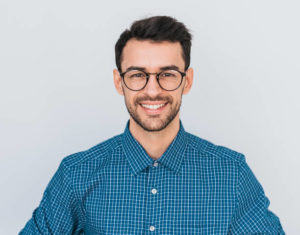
column 151, row 55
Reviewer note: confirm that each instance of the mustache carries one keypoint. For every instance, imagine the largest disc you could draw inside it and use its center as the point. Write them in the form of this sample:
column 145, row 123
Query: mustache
column 167, row 99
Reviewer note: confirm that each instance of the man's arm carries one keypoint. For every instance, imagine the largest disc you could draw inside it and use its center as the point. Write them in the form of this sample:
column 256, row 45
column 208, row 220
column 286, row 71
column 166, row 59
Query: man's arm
column 252, row 215
column 58, row 211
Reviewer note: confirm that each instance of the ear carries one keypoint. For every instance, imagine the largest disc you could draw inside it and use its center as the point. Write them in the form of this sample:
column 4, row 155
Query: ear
column 189, row 77
column 118, row 82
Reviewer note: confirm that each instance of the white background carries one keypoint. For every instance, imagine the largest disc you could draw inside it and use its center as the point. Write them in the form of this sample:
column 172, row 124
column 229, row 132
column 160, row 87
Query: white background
column 57, row 95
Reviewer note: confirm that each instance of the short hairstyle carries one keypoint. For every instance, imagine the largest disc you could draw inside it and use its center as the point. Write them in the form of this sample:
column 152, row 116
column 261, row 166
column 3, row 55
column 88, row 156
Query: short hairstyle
column 157, row 29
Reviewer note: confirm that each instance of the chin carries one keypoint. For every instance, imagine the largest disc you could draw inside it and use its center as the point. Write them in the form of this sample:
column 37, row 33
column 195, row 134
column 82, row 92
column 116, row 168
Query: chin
column 153, row 125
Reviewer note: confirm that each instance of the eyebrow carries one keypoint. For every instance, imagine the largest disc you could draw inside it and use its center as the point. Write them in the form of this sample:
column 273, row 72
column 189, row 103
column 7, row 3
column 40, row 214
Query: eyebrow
column 174, row 67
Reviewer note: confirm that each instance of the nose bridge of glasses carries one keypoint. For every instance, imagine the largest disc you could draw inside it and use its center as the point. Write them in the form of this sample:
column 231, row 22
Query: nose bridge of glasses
column 156, row 76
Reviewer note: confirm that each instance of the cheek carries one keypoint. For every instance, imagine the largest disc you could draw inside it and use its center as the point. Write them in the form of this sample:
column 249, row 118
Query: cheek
column 129, row 98
column 177, row 97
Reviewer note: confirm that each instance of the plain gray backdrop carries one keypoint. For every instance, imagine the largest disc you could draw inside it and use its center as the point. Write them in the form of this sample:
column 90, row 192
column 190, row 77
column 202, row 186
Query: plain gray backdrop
column 57, row 95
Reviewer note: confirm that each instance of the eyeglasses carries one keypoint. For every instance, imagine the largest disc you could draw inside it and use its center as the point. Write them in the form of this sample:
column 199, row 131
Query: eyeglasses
column 137, row 80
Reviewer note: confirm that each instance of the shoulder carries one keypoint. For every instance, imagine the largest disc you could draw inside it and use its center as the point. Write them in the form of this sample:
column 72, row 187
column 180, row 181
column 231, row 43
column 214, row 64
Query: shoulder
column 94, row 157
column 205, row 148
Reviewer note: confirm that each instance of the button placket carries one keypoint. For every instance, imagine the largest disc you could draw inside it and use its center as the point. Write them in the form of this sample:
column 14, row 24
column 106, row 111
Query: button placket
column 154, row 190
column 153, row 198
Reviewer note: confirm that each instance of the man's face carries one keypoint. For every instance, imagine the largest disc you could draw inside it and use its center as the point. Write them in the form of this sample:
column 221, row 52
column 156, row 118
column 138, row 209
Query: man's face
column 152, row 108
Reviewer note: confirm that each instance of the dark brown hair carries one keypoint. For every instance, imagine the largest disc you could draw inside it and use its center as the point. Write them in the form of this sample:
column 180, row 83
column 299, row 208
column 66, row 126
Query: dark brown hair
column 157, row 28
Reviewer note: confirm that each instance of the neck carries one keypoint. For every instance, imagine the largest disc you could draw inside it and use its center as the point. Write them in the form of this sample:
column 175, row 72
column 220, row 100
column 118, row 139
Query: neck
column 155, row 143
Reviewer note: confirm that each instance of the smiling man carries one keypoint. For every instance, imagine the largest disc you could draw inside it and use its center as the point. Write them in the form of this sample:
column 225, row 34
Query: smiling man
column 155, row 178
column 154, row 78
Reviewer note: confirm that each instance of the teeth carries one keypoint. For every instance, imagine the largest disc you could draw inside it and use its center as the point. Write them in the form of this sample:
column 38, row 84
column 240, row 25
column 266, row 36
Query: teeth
column 149, row 106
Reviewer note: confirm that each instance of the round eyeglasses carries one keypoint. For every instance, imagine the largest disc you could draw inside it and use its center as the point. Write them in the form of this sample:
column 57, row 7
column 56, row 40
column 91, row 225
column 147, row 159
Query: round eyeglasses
column 137, row 80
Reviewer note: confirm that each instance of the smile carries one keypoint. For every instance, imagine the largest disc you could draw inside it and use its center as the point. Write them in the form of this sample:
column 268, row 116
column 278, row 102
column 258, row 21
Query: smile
column 153, row 106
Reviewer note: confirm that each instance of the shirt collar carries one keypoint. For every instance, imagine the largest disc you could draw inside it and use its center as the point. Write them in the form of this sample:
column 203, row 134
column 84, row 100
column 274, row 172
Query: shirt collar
column 139, row 160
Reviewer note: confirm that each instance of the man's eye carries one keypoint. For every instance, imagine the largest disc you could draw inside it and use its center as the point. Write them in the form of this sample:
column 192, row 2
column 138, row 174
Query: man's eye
column 167, row 74
column 137, row 75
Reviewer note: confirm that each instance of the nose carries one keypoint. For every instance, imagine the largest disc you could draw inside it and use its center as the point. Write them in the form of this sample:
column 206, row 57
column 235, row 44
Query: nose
column 152, row 88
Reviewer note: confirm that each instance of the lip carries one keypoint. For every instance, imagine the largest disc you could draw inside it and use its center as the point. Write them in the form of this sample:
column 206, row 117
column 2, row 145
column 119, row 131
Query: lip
column 153, row 111
column 153, row 102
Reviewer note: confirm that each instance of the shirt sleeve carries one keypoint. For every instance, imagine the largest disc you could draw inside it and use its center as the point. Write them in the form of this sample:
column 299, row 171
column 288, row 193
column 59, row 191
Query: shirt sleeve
column 252, row 215
column 58, row 211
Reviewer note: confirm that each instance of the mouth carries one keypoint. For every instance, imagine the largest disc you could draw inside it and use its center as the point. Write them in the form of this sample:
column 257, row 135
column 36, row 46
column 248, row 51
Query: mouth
column 153, row 108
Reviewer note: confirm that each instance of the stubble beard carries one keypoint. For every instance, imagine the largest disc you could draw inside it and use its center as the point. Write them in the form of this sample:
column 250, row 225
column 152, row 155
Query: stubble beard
column 154, row 122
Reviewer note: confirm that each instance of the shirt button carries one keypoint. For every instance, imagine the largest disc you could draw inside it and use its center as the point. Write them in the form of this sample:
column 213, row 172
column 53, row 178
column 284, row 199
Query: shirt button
column 155, row 164
column 154, row 191
column 151, row 228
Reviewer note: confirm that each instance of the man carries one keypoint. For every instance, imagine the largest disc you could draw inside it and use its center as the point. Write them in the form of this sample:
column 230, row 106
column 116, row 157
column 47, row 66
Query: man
column 155, row 178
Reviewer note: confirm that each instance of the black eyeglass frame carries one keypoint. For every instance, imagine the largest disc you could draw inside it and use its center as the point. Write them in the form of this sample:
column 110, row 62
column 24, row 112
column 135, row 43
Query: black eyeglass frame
column 183, row 74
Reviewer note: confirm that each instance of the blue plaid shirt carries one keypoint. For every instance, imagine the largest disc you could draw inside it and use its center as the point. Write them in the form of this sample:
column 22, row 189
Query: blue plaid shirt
column 195, row 187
